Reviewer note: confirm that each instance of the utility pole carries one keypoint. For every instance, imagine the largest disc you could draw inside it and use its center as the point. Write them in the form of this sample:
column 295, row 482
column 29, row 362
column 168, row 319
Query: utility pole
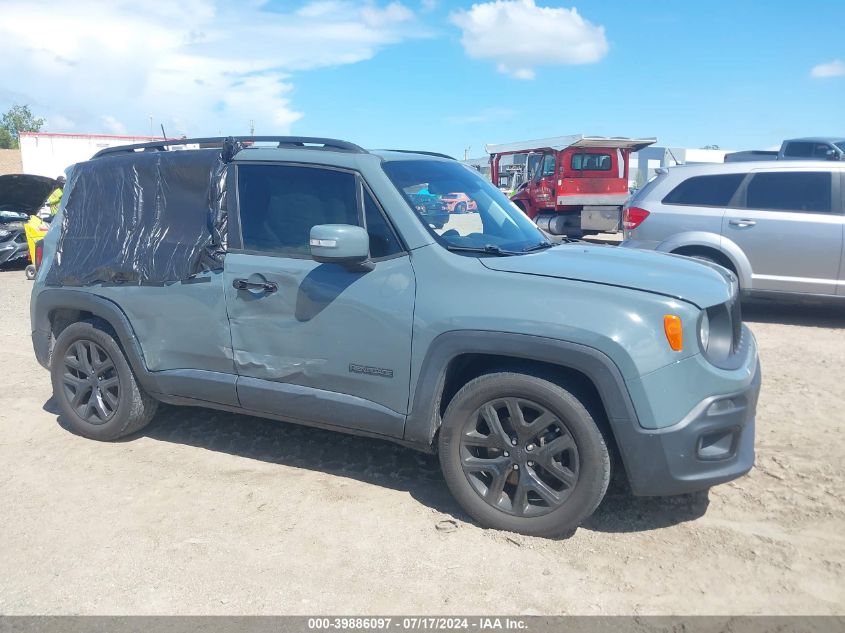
column 252, row 127
column 151, row 125
column 466, row 152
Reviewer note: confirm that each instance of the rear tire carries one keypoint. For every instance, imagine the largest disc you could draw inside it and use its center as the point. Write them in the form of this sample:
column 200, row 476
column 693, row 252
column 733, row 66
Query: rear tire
column 30, row 272
column 523, row 454
column 94, row 385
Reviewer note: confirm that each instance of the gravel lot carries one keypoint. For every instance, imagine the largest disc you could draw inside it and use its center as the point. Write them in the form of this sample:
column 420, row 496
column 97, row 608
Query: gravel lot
column 212, row 513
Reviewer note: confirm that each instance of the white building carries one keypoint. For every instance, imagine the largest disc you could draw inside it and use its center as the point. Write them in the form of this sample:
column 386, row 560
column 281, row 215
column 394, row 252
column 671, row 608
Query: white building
column 644, row 162
column 47, row 154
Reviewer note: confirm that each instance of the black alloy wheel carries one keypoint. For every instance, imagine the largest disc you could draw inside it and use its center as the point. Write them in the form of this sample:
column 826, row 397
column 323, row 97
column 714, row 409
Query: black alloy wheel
column 91, row 382
column 519, row 457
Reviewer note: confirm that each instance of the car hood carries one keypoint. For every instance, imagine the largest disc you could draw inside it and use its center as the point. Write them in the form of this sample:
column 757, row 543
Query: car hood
column 24, row 192
column 674, row 276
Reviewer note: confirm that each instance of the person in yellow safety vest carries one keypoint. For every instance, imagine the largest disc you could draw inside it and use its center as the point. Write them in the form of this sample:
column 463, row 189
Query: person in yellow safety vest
column 56, row 197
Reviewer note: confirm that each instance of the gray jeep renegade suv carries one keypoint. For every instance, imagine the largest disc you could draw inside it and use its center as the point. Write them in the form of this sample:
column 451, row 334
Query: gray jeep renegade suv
column 297, row 282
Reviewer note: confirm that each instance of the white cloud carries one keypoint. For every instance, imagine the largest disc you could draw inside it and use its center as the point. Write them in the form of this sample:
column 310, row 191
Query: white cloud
column 198, row 66
column 519, row 35
column 112, row 125
column 835, row 68
column 59, row 122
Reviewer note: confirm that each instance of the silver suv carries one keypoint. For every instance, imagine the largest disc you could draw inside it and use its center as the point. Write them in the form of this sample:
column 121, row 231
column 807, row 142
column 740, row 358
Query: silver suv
column 778, row 226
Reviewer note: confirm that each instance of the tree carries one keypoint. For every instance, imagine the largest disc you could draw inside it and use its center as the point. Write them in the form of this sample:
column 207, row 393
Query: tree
column 14, row 121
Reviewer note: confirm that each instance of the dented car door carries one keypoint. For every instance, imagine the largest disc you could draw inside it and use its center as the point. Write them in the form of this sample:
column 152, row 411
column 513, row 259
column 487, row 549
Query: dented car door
column 306, row 333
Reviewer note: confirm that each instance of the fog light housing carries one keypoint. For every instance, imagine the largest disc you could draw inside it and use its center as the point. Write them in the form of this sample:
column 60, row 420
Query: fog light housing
column 717, row 445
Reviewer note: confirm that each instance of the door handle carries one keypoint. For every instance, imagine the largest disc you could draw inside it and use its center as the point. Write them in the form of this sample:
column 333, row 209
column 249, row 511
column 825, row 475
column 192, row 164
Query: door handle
column 742, row 223
column 263, row 286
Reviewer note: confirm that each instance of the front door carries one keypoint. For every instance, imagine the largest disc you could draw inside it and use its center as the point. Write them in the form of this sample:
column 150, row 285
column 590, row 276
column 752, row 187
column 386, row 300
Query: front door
column 543, row 189
column 790, row 229
column 317, row 342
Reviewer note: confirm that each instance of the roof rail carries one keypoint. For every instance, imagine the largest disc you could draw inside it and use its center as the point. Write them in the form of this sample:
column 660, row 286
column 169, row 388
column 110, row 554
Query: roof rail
column 282, row 141
column 414, row 151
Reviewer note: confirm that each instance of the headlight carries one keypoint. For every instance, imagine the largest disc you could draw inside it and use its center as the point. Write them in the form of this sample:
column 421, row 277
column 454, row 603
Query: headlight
column 704, row 330
column 4, row 233
column 716, row 333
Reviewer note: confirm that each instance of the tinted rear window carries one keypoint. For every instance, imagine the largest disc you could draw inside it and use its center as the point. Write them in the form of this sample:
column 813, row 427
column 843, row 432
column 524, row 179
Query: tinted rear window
column 801, row 150
column 592, row 162
column 806, row 149
column 705, row 191
column 790, row 191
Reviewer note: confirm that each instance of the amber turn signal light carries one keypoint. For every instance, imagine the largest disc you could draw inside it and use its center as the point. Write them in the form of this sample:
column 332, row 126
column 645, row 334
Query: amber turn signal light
column 674, row 331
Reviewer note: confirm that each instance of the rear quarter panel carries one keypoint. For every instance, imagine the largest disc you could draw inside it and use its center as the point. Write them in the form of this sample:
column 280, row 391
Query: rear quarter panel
column 667, row 220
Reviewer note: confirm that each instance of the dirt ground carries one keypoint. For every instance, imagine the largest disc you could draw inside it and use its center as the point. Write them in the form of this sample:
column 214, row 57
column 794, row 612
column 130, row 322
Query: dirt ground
column 212, row 513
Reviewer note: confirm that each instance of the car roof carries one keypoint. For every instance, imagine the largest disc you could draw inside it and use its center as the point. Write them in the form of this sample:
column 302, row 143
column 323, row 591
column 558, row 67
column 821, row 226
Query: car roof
column 695, row 169
column 401, row 154
column 817, row 139
column 246, row 147
column 342, row 159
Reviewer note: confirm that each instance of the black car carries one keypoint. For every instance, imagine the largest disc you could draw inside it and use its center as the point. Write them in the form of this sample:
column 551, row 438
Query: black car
column 21, row 195
column 431, row 208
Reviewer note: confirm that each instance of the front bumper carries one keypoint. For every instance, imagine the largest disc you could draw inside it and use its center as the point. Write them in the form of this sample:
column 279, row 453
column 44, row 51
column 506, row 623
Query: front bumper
column 713, row 444
column 435, row 217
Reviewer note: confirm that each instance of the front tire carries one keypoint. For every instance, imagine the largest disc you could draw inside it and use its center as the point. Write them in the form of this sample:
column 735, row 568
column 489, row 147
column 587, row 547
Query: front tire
column 523, row 454
column 94, row 385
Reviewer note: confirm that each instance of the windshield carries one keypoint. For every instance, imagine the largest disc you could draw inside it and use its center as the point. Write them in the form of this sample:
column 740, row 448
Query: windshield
column 460, row 208
column 841, row 145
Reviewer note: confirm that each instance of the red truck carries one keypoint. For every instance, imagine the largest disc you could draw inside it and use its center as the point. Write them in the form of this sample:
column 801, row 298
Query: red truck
column 569, row 185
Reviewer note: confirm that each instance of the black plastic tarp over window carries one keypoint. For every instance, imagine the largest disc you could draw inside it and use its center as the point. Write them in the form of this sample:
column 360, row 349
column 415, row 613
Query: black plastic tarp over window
column 141, row 218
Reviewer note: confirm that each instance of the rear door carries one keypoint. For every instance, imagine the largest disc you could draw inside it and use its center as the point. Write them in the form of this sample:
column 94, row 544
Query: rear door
column 790, row 227
column 695, row 205
column 317, row 342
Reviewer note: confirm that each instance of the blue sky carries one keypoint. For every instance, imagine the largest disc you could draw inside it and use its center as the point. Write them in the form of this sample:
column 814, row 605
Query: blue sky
column 435, row 75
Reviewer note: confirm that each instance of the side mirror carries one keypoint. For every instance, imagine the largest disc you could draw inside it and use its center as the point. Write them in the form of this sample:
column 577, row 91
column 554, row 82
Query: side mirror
column 342, row 244
column 832, row 154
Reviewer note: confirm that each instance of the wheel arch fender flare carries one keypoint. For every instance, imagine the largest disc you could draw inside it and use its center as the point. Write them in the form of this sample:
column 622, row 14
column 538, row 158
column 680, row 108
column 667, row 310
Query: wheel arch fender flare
column 714, row 241
column 49, row 300
column 424, row 417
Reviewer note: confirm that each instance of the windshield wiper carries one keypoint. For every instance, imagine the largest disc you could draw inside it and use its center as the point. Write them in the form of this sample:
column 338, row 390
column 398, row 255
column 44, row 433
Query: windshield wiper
column 538, row 247
column 487, row 249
